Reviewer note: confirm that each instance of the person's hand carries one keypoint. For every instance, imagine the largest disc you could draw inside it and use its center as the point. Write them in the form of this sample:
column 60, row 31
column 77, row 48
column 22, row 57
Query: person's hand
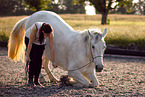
column 28, row 59
column 54, row 65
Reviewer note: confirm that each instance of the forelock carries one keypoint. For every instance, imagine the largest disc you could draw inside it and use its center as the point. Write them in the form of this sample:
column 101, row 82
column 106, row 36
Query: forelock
column 96, row 30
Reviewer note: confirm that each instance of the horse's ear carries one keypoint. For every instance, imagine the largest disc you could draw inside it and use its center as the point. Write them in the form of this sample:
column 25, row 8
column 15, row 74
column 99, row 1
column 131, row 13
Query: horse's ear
column 90, row 34
column 104, row 33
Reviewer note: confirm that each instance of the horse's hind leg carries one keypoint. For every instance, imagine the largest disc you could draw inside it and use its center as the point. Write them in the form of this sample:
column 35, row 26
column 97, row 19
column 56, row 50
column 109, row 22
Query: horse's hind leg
column 51, row 77
column 80, row 80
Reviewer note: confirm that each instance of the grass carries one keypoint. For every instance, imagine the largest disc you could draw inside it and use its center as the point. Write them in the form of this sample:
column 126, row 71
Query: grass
column 6, row 26
column 123, row 29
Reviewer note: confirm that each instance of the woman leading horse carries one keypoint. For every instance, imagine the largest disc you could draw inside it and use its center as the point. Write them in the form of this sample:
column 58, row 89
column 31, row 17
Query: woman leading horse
column 35, row 40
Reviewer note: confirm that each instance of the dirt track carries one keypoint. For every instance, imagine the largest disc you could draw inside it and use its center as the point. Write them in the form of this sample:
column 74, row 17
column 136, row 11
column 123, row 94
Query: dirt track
column 122, row 76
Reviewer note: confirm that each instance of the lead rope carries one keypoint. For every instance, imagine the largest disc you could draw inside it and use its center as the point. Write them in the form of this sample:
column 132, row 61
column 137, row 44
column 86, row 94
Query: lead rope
column 86, row 64
column 83, row 65
column 89, row 62
column 26, row 71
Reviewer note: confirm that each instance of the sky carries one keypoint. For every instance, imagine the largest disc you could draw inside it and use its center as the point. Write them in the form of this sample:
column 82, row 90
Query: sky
column 135, row 1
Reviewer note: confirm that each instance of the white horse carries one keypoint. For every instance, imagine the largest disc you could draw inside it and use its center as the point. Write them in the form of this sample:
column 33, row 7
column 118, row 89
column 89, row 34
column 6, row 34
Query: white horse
column 78, row 52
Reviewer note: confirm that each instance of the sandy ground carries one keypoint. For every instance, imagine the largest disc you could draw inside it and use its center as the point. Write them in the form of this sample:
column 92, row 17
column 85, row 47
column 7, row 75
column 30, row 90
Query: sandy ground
column 122, row 76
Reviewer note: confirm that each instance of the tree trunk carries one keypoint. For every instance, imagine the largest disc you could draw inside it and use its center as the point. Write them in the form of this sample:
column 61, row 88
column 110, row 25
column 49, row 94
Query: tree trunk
column 104, row 19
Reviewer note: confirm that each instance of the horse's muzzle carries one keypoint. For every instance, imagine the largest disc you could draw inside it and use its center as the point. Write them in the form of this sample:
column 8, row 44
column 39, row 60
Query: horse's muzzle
column 99, row 68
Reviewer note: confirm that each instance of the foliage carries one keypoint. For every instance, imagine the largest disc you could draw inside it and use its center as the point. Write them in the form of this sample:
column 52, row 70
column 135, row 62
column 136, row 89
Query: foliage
column 139, row 7
column 67, row 6
column 3, row 36
column 9, row 7
column 104, row 6
column 37, row 5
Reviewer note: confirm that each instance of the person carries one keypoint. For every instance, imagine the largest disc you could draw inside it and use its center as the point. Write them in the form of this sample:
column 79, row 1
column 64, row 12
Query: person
column 35, row 40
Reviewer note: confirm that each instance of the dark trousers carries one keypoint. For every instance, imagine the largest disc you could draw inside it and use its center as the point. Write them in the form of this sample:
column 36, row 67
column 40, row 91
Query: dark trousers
column 36, row 60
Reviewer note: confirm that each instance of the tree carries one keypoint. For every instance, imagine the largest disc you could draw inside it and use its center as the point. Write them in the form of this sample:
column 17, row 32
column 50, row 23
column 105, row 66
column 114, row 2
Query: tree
column 6, row 6
column 37, row 5
column 10, row 7
column 68, row 6
column 104, row 6
column 139, row 7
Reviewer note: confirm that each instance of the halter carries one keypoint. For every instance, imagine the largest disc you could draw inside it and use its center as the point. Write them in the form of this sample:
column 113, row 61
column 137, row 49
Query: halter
column 84, row 65
column 89, row 62
column 92, row 54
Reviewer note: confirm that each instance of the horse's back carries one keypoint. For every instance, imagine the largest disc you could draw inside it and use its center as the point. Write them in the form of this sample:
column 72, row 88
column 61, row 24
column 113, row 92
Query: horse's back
column 51, row 18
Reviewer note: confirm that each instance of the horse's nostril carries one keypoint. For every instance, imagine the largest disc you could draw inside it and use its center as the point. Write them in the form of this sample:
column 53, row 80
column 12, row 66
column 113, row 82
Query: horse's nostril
column 96, row 67
column 99, row 69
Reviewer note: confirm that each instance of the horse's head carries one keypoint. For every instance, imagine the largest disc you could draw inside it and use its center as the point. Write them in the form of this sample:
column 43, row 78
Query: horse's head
column 97, row 47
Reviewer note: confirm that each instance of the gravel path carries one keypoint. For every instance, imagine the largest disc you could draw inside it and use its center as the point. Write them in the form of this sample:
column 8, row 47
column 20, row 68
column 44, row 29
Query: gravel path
column 122, row 76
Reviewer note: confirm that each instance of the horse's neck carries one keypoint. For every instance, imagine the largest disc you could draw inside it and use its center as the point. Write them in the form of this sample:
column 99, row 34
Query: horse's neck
column 61, row 26
column 85, row 44
column 63, row 29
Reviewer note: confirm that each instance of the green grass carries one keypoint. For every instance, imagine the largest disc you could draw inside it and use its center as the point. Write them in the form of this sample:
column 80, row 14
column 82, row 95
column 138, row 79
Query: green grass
column 123, row 29
column 6, row 26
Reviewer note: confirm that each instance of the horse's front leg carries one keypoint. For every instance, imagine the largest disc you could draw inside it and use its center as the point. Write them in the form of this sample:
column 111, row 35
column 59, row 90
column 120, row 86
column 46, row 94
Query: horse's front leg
column 51, row 77
column 93, row 79
column 80, row 80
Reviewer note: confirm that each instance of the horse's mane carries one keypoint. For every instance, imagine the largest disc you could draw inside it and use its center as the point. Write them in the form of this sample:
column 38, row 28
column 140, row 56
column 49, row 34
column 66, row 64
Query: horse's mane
column 96, row 30
column 85, row 34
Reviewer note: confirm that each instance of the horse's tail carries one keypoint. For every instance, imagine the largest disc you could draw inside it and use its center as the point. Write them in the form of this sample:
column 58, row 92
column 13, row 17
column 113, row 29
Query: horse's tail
column 16, row 45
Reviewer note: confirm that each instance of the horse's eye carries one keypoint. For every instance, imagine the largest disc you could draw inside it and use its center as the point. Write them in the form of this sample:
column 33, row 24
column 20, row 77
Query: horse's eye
column 93, row 46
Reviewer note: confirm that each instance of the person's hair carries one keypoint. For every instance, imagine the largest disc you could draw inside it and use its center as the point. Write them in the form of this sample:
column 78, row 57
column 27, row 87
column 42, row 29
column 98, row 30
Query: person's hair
column 47, row 29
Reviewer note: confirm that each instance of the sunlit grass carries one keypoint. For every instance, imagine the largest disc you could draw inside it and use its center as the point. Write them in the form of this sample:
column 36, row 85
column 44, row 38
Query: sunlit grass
column 123, row 29
column 6, row 26
column 120, row 32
